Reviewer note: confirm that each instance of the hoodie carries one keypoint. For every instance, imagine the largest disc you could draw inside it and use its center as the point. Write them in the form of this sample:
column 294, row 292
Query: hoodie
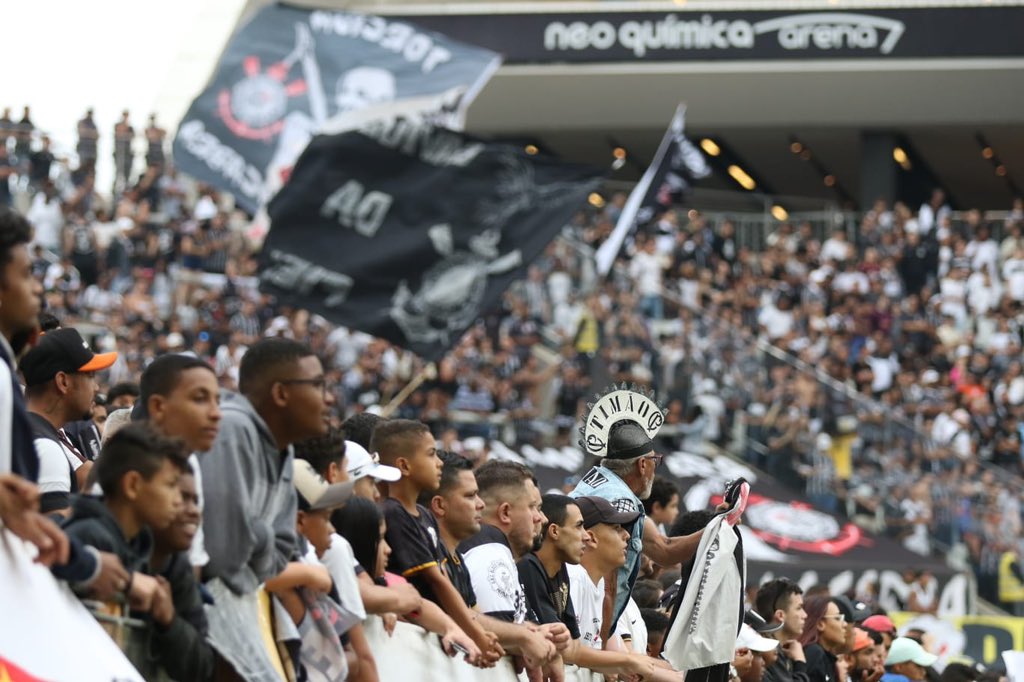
column 250, row 503
column 91, row 523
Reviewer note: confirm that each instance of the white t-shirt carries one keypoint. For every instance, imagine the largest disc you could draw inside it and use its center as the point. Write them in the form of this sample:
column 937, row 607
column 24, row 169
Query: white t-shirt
column 54, row 458
column 492, row 570
column 341, row 562
column 588, row 601
column 631, row 624
column 197, row 555
column 645, row 268
column 1013, row 273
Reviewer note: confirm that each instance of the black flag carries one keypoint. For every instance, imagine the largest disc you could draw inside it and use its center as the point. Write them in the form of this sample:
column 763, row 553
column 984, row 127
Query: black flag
column 406, row 230
column 677, row 165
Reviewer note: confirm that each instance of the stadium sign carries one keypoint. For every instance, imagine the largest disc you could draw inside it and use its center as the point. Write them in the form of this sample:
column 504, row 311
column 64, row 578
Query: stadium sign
column 680, row 35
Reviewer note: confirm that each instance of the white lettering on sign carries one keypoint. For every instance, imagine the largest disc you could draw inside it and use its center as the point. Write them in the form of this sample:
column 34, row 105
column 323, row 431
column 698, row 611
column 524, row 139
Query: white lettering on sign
column 357, row 209
column 398, row 37
column 819, row 31
column 221, row 158
column 430, row 144
column 298, row 275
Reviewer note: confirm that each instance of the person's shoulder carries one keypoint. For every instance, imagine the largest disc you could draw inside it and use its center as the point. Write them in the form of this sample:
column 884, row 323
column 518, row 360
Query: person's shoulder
column 488, row 537
column 530, row 565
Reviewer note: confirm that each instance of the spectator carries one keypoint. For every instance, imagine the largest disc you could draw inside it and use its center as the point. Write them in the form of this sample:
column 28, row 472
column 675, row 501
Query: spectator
column 824, row 639
column 781, row 601
column 907, row 660
column 249, row 520
column 88, row 139
column 60, row 386
column 366, row 470
column 662, row 505
column 124, row 134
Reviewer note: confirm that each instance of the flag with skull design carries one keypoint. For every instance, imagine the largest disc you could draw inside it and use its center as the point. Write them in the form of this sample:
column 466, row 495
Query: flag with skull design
column 409, row 231
column 290, row 72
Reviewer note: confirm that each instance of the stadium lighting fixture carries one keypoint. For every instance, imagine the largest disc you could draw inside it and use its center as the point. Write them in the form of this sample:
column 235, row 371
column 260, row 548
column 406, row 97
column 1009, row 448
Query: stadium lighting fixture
column 596, row 200
column 780, row 213
column 741, row 176
column 709, row 147
column 531, row 149
column 900, row 157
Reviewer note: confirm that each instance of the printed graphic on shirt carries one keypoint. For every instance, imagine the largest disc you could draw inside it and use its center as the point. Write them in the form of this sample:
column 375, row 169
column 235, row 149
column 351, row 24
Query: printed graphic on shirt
column 624, row 504
column 595, row 478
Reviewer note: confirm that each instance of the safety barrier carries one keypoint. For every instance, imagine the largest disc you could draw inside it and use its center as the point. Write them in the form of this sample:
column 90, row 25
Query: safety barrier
column 411, row 653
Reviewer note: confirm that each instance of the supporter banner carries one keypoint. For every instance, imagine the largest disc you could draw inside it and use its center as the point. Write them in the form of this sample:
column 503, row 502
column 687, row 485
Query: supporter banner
column 406, row 230
column 630, row 36
column 677, row 165
column 980, row 638
column 288, row 72
column 782, row 534
column 41, row 617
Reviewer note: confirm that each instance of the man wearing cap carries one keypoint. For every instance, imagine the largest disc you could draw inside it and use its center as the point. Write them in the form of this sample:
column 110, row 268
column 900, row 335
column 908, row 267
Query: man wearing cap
column 866, row 660
column 606, row 547
column 884, row 626
column 907, row 660
column 60, row 385
column 749, row 640
column 303, row 586
column 364, row 470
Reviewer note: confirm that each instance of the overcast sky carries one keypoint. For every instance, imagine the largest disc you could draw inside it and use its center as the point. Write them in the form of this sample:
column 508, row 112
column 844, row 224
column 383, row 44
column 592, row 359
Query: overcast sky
column 110, row 55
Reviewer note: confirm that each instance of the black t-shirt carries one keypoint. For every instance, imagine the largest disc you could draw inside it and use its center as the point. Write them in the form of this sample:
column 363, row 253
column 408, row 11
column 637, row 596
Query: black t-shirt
column 455, row 569
column 414, row 544
column 548, row 598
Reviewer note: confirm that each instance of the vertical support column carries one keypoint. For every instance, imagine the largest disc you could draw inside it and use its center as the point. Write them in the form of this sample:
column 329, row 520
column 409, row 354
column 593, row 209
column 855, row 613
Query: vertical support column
column 878, row 171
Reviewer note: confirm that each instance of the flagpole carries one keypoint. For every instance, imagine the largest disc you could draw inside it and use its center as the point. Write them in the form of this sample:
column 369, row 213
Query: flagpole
column 429, row 371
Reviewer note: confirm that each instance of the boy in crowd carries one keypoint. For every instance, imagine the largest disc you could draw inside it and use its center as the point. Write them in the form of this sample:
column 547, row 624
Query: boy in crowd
column 365, row 470
column 458, row 507
column 249, row 520
column 181, row 398
column 662, row 505
column 359, row 428
column 412, row 531
column 782, row 601
column 327, row 459
column 657, row 626
column 191, row 657
column 139, row 472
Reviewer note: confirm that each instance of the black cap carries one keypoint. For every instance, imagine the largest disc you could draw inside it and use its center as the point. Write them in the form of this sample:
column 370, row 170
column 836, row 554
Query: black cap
column 597, row 510
column 760, row 625
column 627, row 440
column 61, row 350
column 854, row 611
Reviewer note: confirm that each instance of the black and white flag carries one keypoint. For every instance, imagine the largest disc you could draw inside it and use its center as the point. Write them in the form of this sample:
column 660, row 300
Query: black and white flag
column 676, row 167
column 289, row 73
column 407, row 230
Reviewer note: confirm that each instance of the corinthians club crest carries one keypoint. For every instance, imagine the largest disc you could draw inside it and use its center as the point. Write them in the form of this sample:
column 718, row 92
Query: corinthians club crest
column 618, row 403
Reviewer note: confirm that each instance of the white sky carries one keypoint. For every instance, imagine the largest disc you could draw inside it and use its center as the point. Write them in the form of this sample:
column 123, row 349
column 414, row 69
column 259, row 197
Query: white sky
column 139, row 55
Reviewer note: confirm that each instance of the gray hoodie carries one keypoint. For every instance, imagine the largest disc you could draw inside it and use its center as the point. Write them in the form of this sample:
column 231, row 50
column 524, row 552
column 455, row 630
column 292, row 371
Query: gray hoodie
column 250, row 503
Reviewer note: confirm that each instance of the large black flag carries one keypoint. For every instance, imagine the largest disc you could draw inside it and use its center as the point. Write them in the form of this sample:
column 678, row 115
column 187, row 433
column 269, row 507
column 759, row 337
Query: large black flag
column 406, row 230
column 289, row 72
column 677, row 165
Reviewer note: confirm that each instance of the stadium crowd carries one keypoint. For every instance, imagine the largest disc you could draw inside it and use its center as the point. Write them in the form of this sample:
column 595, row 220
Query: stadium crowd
column 154, row 295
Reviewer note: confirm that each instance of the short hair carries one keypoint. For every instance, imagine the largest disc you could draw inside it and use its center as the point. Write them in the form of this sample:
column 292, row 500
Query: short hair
column 620, row 467
column 264, row 361
column 136, row 447
column 159, row 378
column 451, row 465
column 15, row 230
column 127, row 388
column 359, row 427
column 392, row 437
column 655, row 620
column 322, row 451
column 771, row 593
column 647, row 593
column 554, row 506
column 959, row 672
column 690, row 522
column 501, row 475
column 48, row 322
column 662, row 491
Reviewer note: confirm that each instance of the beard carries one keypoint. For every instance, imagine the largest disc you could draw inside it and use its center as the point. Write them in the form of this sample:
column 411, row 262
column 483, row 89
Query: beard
column 646, row 492
column 538, row 540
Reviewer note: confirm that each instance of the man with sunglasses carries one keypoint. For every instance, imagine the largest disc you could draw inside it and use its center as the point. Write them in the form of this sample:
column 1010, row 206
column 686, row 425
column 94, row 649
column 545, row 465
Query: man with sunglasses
column 251, row 504
column 781, row 601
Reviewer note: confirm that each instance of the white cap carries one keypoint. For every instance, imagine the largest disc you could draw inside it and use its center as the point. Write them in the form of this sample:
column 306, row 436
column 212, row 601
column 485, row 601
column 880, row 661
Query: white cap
column 360, row 463
column 749, row 639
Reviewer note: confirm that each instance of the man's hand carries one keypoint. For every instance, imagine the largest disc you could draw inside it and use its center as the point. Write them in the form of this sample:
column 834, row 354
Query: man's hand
column 19, row 512
column 163, row 603
column 490, row 651
column 536, row 649
column 794, row 650
column 455, row 635
column 409, row 598
column 640, row 665
column 872, row 676
column 318, row 578
column 143, row 592
column 557, row 634
column 390, row 620
column 112, row 579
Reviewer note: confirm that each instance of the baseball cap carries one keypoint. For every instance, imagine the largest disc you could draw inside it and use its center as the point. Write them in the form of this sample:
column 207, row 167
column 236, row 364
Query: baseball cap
column 855, row 611
column 749, row 639
column 861, row 640
column 880, row 623
column 905, row 649
column 360, row 463
column 314, row 490
column 61, row 350
column 597, row 510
